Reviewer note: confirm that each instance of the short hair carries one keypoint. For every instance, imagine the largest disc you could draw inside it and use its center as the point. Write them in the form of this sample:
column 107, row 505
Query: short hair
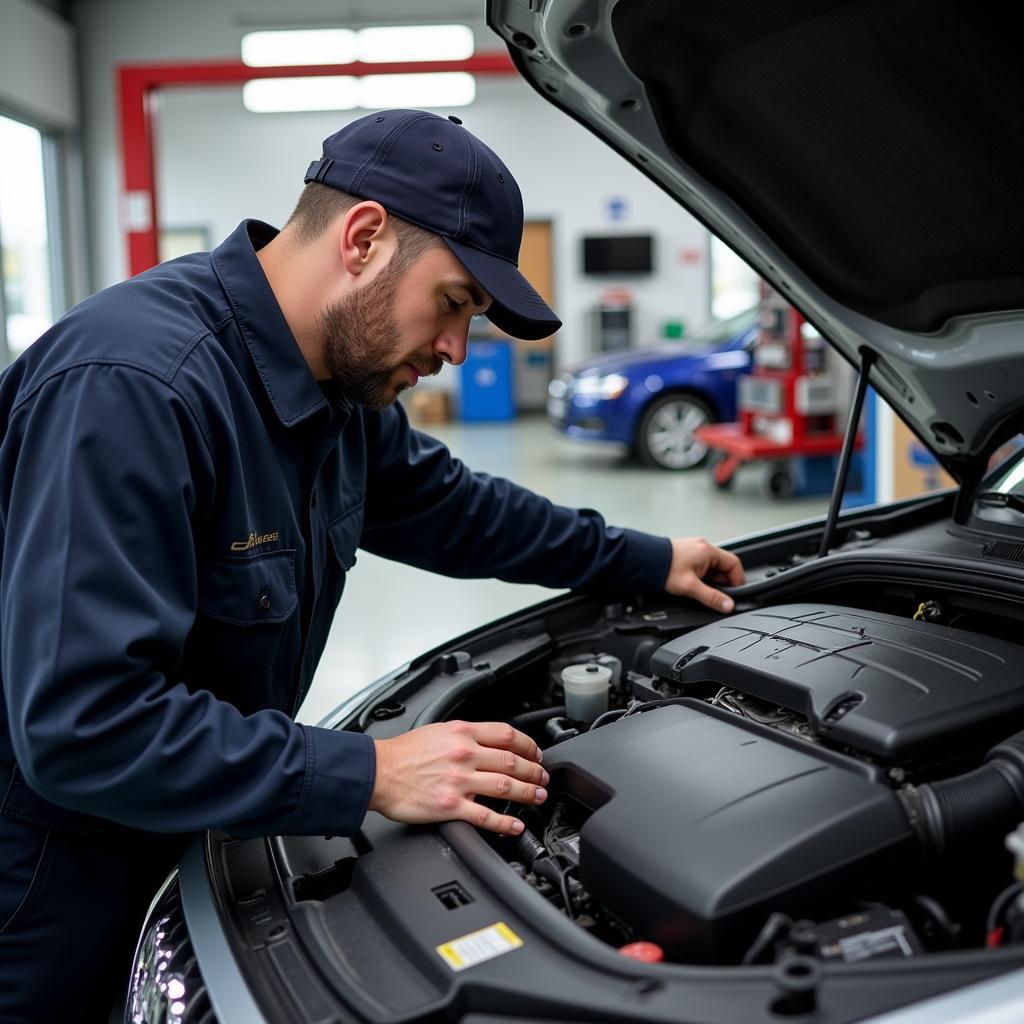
column 319, row 205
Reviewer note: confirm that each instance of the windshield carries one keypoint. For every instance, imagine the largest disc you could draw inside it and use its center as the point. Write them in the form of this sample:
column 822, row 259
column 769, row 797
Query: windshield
column 720, row 331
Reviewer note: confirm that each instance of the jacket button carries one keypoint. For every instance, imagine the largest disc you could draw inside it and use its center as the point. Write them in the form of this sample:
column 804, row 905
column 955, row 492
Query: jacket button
column 264, row 601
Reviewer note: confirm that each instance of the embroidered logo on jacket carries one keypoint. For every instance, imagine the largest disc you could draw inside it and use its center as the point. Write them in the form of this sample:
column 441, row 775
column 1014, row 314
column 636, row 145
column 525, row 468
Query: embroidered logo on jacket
column 254, row 540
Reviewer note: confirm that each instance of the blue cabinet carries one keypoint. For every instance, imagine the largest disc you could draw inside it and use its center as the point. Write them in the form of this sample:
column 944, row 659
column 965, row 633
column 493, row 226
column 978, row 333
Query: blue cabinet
column 487, row 383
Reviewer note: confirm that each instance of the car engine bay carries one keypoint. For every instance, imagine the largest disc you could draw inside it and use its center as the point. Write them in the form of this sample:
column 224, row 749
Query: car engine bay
column 810, row 806
column 803, row 779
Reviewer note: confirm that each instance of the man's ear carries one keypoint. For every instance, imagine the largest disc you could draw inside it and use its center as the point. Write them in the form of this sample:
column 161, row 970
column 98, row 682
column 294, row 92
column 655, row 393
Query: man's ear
column 364, row 235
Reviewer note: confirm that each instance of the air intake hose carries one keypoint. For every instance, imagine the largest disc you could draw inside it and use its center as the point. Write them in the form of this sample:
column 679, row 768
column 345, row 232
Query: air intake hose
column 947, row 813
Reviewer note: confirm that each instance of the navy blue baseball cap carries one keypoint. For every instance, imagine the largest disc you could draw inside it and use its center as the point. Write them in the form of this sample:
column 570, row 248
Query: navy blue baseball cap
column 432, row 172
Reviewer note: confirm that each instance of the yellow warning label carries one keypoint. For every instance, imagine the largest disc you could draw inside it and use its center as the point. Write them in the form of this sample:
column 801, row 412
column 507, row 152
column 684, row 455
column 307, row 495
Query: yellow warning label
column 476, row 947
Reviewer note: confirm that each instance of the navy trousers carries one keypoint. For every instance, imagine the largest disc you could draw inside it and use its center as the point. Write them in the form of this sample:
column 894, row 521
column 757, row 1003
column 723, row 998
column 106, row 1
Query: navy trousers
column 71, row 906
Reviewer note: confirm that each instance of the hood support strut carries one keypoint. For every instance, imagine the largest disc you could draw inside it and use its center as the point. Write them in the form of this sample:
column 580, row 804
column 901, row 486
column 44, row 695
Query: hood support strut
column 867, row 358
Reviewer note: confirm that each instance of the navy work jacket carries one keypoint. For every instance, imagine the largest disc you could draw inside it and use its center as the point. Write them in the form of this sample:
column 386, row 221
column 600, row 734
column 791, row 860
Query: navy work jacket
column 180, row 503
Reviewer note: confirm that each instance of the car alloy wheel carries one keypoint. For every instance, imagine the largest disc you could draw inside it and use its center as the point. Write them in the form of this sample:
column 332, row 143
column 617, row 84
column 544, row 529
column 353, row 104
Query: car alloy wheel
column 666, row 435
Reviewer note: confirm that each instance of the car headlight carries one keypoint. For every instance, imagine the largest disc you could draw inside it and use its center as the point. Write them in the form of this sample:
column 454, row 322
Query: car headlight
column 558, row 387
column 610, row 386
column 166, row 986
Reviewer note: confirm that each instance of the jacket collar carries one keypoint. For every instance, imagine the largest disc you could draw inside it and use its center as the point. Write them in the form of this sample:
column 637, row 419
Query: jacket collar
column 287, row 378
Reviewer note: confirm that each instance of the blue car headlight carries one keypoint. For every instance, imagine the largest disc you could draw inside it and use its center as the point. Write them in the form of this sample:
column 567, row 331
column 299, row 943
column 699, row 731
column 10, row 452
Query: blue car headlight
column 166, row 986
column 605, row 388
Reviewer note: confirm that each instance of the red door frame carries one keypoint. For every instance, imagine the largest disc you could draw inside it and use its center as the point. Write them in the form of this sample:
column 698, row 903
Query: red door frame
column 138, row 84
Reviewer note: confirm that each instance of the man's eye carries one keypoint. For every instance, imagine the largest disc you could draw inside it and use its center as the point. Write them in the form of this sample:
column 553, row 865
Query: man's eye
column 453, row 304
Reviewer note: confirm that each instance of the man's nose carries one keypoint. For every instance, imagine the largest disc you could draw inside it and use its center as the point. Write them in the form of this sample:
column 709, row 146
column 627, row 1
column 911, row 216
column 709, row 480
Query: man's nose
column 451, row 345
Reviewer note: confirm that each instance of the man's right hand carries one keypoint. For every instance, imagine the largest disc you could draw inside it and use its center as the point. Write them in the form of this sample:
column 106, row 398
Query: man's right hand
column 434, row 772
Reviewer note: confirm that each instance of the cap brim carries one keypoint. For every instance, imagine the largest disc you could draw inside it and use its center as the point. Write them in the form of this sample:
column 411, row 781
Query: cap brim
column 517, row 308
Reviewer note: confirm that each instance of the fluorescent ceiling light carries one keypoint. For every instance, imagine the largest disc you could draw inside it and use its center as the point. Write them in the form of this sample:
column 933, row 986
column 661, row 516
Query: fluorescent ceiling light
column 342, row 46
column 277, row 95
column 299, row 46
column 447, row 89
column 415, row 42
column 343, row 92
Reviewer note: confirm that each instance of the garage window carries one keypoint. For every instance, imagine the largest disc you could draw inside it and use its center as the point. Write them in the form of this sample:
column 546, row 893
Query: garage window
column 30, row 258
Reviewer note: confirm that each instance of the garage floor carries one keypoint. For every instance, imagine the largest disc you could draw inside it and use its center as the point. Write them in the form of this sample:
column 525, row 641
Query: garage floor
column 391, row 612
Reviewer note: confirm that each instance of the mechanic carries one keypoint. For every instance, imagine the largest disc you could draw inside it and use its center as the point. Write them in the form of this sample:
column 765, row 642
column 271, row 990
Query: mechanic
column 189, row 461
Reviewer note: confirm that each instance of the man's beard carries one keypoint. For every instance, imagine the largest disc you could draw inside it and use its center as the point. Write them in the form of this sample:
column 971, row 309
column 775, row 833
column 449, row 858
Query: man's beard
column 362, row 343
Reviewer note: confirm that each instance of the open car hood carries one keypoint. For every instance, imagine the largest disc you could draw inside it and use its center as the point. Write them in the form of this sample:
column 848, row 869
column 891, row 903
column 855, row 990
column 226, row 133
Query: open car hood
column 866, row 158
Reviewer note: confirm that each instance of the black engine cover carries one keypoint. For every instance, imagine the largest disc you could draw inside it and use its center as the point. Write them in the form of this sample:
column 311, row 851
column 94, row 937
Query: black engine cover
column 703, row 825
column 884, row 685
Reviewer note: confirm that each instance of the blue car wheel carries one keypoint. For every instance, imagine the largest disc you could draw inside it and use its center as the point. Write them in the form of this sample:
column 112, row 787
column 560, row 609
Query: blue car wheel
column 665, row 437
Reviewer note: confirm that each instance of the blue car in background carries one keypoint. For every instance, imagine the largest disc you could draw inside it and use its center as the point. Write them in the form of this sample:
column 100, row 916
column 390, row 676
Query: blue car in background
column 654, row 399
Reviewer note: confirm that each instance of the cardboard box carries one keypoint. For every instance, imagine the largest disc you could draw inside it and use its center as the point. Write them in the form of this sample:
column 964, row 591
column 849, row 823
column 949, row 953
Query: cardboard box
column 430, row 407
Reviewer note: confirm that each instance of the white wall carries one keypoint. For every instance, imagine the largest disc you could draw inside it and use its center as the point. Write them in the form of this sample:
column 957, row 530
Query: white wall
column 37, row 64
column 218, row 164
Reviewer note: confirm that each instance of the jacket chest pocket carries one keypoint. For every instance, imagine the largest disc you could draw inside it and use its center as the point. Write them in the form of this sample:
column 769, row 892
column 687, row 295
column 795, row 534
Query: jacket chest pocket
column 253, row 591
column 246, row 634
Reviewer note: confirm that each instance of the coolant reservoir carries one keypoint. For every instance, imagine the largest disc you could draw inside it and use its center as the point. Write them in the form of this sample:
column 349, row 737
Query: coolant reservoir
column 586, row 690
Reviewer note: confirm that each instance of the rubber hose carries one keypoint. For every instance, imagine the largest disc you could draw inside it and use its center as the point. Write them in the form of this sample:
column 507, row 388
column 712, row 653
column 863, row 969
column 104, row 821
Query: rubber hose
column 946, row 813
column 538, row 717
column 529, row 848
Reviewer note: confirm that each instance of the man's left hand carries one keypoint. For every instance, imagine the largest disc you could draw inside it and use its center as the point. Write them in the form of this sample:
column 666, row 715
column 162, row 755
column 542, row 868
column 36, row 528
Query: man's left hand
column 693, row 561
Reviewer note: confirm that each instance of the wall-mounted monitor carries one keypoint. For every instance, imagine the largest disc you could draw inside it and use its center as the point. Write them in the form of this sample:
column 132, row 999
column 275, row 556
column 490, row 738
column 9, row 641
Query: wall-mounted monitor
column 618, row 254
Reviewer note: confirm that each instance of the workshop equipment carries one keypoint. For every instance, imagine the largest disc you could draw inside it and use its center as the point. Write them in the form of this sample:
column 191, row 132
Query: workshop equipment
column 787, row 408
